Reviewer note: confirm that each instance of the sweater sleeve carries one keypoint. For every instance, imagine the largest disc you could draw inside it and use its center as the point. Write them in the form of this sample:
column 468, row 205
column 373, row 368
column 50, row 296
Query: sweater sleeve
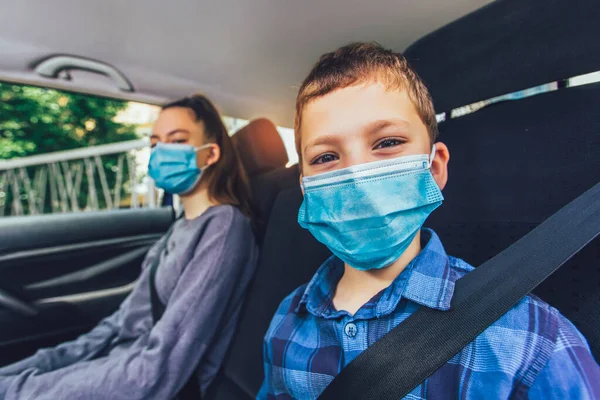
column 83, row 348
column 170, row 352
column 87, row 346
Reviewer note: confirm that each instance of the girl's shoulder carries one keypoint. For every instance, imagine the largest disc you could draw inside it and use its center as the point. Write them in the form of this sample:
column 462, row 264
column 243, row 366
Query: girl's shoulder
column 222, row 219
column 222, row 213
column 227, row 214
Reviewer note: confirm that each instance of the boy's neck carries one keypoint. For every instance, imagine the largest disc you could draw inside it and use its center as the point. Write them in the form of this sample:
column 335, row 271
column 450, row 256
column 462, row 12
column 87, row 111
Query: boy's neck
column 357, row 287
column 196, row 203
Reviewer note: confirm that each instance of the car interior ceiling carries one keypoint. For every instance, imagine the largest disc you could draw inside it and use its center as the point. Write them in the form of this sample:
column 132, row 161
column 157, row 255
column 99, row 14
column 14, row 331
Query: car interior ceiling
column 248, row 64
column 513, row 165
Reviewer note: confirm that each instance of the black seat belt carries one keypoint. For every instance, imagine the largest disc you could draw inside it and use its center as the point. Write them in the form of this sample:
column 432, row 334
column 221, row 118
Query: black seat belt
column 191, row 389
column 407, row 355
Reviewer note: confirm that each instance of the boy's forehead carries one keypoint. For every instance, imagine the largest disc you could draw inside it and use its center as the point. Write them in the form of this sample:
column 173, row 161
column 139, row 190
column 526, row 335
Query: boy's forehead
column 349, row 109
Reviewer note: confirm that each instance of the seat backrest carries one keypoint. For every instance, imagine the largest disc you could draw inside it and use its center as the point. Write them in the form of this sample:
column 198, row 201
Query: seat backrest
column 260, row 147
column 509, row 174
column 515, row 163
column 265, row 189
column 264, row 157
column 507, row 46
column 289, row 257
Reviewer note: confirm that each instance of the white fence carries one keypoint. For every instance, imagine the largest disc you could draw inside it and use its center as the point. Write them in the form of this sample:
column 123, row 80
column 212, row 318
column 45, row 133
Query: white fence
column 77, row 180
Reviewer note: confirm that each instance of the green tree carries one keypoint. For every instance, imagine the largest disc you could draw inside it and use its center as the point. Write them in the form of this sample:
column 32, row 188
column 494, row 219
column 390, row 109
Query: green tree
column 36, row 120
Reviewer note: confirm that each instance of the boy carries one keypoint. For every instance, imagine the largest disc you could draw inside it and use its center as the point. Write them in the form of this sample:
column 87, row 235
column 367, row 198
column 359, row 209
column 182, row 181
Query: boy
column 370, row 174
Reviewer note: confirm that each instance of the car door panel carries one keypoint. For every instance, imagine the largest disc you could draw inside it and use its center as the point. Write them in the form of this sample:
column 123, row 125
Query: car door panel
column 63, row 273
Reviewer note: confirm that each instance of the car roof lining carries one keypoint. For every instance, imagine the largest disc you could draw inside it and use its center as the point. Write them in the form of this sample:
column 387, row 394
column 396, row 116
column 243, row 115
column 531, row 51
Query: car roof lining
column 249, row 57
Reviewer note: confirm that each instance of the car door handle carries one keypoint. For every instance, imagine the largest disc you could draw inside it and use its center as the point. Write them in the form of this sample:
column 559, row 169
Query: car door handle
column 17, row 305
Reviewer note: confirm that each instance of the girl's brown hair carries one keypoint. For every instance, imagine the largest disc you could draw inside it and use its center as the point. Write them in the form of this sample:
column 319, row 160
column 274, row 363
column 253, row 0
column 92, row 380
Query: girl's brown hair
column 227, row 179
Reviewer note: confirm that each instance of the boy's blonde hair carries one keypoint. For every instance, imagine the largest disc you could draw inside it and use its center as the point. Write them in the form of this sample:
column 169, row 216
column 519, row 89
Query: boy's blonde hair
column 360, row 63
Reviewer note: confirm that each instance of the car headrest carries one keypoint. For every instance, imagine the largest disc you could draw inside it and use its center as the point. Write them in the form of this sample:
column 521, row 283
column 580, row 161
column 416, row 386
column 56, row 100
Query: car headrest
column 503, row 47
column 260, row 147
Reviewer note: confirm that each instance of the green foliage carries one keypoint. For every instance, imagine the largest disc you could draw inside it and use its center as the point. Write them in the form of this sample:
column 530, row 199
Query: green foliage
column 36, row 121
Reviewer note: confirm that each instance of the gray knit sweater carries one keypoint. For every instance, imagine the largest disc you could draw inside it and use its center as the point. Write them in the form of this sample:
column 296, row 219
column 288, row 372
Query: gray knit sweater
column 201, row 278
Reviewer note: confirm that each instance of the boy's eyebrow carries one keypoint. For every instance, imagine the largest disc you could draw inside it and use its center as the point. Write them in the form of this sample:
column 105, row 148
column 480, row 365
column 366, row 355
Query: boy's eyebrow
column 325, row 139
column 376, row 126
column 371, row 128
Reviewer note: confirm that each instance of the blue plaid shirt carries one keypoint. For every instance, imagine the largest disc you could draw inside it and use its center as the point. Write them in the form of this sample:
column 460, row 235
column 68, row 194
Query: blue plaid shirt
column 532, row 351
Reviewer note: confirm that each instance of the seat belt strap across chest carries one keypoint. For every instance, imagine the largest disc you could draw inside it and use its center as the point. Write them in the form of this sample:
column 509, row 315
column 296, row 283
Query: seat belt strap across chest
column 407, row 355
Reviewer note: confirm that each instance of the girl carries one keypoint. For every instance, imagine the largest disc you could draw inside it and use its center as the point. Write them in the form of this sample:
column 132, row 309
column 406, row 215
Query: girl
column 173, row 330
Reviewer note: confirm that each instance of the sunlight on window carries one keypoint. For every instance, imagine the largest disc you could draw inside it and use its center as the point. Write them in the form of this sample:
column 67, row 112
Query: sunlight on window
column 287, row 135
column 580, row 80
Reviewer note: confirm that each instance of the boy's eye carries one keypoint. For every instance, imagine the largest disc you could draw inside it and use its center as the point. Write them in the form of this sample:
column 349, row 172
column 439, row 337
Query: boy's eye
column 325, row 158
column 179, row 141
column 389, row 142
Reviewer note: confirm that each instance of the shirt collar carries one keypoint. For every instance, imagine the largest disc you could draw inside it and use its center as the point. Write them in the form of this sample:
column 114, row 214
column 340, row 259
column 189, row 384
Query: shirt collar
column 428, row 280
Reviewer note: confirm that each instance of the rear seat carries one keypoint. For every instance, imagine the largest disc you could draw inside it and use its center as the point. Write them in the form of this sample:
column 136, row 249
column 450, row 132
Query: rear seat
column 280, row 269
column 264, row 157
column 289, row 257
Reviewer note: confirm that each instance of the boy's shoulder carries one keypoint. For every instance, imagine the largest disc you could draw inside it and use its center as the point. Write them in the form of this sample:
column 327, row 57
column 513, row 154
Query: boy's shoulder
column 531, row 315
column 459, row 266
column 290, row 303
column 524, row 339
column 287, row 309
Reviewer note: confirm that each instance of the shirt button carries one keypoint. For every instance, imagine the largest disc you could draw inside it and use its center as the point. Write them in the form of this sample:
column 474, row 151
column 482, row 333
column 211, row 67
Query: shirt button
column 351, row 329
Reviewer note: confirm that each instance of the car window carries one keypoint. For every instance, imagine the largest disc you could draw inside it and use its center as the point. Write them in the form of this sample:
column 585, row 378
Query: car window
column 71, row 152
column 580, row 80
column 68, row 152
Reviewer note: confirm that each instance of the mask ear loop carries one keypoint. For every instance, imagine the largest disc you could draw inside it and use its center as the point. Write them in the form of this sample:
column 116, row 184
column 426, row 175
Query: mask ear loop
column 431, row 156
column 197, row 149
column 204, row 146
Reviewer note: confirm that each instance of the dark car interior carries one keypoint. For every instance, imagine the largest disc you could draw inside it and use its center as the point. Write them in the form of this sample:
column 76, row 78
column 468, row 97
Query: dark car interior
column 513, row 164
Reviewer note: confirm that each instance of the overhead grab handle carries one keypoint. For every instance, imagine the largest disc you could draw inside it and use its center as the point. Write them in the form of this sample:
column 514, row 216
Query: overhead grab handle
column 53, row 66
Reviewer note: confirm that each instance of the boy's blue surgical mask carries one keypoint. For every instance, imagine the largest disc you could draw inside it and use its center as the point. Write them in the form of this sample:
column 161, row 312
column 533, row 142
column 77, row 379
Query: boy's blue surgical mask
column 174, row 167
column 369, row 214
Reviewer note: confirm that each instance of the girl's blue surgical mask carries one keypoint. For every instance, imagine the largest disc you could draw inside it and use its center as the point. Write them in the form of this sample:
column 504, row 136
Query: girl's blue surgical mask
column 174, row 167
column 369, row 214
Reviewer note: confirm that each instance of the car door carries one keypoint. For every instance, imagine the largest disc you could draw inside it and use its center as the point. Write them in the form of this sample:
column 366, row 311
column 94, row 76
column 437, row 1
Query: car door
column 62, row 273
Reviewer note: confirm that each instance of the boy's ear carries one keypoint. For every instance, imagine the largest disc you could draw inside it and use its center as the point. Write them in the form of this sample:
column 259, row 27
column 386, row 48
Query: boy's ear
column 439, row 165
